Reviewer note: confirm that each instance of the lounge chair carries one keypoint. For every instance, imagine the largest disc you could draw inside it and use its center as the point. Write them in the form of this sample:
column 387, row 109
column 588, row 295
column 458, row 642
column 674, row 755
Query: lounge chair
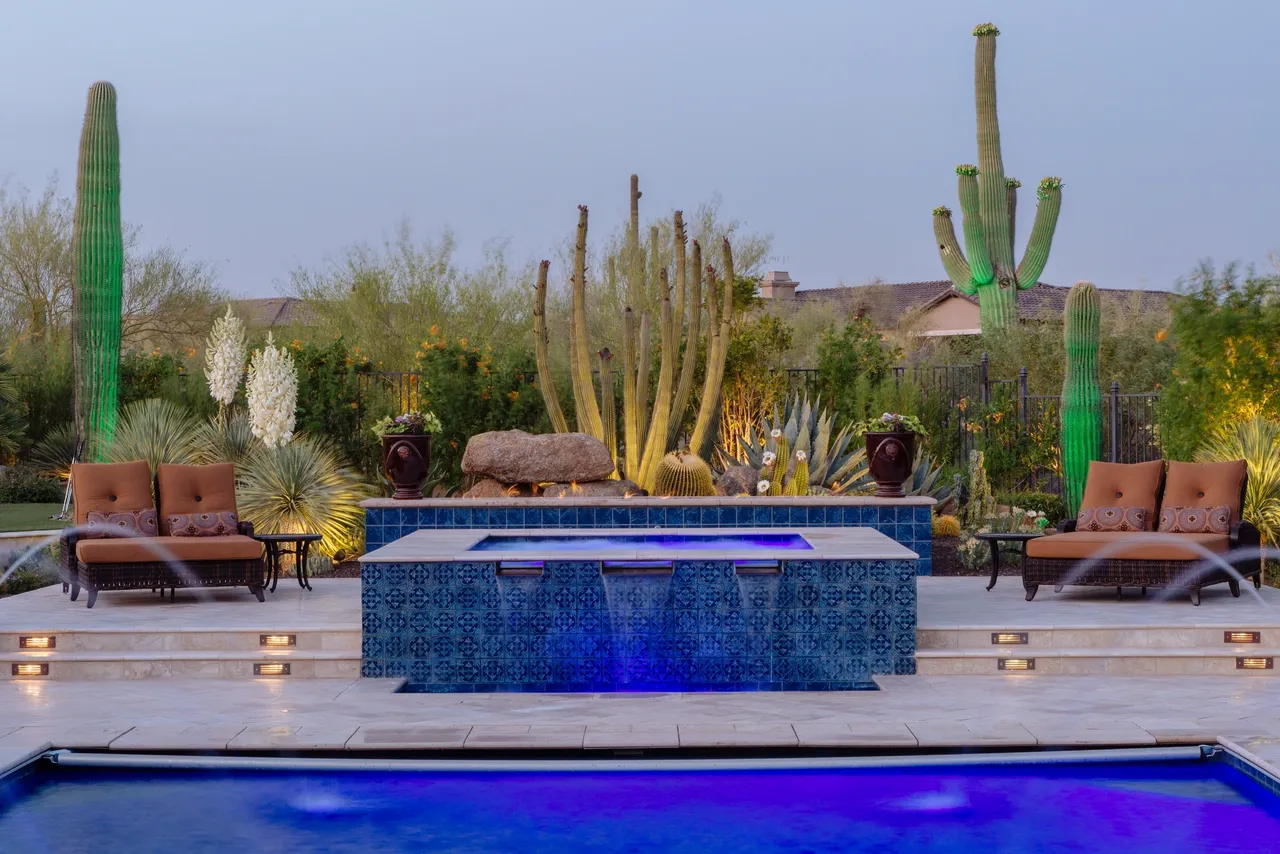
column 113, row 558
column 1149, row 558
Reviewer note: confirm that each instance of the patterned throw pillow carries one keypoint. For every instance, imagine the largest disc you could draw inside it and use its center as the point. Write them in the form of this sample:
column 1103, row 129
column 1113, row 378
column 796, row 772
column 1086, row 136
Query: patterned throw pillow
column 203, row 524
column 1112, row 519
column 99, row 525
column 1195, row 520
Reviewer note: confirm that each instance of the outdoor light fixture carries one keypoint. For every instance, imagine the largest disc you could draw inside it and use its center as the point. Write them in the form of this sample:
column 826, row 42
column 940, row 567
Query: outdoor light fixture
column 1254, row 663
column 277, row 640
column 37, row 642
column 30, row 669
column 1016, row 664
column 1009, row 637
column 272, row 669
column 1242, row 637
column 519, row 568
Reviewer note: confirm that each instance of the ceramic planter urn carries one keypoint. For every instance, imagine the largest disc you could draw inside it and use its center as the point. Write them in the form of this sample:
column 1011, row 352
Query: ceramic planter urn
column 891, row 457
column 406, row 458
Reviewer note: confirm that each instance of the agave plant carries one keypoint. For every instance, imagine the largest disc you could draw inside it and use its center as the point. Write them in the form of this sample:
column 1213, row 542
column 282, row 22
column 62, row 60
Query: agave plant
column 927, row 480
column 230, row 442
column 1257, row 442
column 303, row 486
column 807, row 427
column 158, row 431
column 56, row 451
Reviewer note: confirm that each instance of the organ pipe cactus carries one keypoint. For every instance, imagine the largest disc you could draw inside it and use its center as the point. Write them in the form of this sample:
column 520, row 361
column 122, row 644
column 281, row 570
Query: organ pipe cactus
column 684, row 475
column 1081, row 392
column 651, row 423
column 799, row 484
column 98, row 258
column 782, row 447
column 988, row 202
column 540, row 346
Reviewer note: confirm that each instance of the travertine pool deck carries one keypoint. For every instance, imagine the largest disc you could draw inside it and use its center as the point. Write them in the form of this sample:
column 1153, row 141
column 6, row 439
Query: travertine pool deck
column 935, row 712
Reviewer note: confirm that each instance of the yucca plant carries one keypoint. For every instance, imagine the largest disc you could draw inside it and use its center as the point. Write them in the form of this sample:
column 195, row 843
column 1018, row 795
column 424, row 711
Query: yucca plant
column 304, row 486
column 158, row 431
column 1257, row 442
column 805, row 427
column 229, row 442
column 56, row 451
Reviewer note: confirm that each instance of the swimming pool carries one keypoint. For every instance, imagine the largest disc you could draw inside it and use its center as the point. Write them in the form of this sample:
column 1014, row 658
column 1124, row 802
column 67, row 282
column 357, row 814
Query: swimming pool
column 1133, row 806
column 588, row 544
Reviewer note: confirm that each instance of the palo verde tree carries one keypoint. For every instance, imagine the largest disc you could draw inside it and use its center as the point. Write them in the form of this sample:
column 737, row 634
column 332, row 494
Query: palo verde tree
column 988, row 201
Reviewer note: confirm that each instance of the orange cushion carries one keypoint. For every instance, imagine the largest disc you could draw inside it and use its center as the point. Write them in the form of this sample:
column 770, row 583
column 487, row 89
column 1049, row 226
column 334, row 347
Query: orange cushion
column 1205, row 485
column 1136, row 546
column 195, row 489
column 1124, row 485
column 159, row 549
column 111, row 488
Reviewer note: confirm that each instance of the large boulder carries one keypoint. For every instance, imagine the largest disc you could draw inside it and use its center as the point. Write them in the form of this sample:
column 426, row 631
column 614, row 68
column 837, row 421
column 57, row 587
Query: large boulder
column 490, row 488
column 738, row 480
column 594, row 489
column 514, row 456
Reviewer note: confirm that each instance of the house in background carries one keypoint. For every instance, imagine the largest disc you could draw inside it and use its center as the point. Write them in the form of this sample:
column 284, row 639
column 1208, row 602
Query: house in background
column 936, row 309
column 269, row 313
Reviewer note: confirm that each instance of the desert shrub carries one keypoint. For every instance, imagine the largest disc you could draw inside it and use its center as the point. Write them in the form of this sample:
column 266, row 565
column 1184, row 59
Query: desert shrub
column 37, row 570
column 166, row 376
column 1257, row 442
column 853, row 361
column 1052, row 506
column 332, row 399
column 28, row 485
column 1226, row 334
column 44, row 388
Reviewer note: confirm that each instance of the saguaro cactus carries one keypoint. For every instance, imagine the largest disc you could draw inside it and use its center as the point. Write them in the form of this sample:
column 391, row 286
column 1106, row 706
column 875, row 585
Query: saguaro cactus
column 1081, row 392
column 98, row 257
column 988, row 201
column 650, row 426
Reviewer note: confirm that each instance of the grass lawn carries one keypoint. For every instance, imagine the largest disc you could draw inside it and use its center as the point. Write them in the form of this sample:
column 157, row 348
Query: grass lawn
column 30, row 517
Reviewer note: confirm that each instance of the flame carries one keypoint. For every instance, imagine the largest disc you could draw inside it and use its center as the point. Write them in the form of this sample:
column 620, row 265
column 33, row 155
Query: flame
column 574, row 488
column 511, row 491
column 628, row 494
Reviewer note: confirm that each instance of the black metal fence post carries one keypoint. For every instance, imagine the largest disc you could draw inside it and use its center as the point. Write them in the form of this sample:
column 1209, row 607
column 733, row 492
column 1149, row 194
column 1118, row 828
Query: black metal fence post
column 984, row 379
column 1022, row 395
column 1115, row 422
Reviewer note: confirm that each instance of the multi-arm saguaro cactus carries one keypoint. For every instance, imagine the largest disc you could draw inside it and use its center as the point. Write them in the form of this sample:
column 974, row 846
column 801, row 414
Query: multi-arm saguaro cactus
column 988, row 201
column 650, row 427
column 1081, row 392
column 98, row 256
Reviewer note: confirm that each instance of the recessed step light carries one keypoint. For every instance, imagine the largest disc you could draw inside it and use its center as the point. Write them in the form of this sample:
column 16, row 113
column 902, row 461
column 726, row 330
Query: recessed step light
column 1016, row 664
column 37, row 642
column 1009, row 638
column 277, row 640
column 274, row 668
column 41, row 669
column 1242, row 637
column 1255, row 663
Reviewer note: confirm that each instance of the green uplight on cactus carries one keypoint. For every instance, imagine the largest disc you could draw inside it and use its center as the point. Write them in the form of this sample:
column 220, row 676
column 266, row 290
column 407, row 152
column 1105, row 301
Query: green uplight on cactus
column 1081, row 392
column 988, row 202
column 98, row 258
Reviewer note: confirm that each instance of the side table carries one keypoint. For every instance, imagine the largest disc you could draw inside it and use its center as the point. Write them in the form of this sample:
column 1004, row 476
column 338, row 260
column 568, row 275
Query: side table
column 278, row 545
column 995, row 539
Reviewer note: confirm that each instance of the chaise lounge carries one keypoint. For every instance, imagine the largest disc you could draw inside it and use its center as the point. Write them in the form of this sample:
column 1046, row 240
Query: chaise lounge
column 121, row 542
column 1141, row 527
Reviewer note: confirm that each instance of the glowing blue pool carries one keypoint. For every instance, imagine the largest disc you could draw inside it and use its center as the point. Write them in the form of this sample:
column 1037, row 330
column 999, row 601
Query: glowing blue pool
column 1145, row 808
column 709, row 543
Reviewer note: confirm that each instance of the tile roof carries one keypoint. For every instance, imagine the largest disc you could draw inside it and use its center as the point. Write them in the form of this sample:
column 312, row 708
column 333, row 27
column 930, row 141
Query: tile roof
column 270, row 312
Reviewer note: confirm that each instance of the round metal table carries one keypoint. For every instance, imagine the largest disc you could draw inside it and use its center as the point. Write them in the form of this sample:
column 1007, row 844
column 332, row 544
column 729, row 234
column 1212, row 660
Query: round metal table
column 278, row 545
column 995, row 538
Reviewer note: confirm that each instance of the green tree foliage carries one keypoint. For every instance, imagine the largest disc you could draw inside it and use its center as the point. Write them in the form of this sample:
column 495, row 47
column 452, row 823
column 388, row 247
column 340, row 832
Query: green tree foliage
column 853, row 360
column 12, row 421
column 332, row 399
column 1226, row 337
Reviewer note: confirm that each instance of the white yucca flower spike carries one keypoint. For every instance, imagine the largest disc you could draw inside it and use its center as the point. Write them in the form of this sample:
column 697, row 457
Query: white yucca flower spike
column 273, row 394
column 762, row 488
column 224, row 357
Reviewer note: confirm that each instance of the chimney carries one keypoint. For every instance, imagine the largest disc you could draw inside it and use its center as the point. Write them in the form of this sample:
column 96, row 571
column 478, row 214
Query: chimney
column 777, row 285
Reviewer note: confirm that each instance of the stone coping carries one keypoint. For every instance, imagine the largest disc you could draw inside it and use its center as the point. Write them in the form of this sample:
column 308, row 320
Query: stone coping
column 652, row 501
column 452, row 545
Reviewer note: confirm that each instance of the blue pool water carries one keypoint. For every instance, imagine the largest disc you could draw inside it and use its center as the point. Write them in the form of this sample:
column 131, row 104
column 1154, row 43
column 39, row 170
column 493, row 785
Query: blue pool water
column 712, row 543
column 1136, row 809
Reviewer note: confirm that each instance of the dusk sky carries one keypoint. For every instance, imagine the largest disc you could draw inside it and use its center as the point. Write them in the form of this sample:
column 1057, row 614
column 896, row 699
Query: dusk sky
column 267, row 135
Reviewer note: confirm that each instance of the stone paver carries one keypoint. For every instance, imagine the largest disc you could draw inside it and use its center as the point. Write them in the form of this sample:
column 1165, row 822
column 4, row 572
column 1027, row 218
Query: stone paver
column 148, row 736
column 873, row 734
column 738, row 735
column 627, row 736
column 408, row 737
column 285, row 737
column 536, row 737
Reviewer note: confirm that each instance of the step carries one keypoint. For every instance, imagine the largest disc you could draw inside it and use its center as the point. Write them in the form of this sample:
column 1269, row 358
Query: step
column 181, row 664
column 1096, row 661
column 133, row 640
column 1111, row 637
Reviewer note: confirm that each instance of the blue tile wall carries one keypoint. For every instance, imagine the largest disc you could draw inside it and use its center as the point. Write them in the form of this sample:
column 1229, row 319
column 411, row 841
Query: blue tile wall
column 819, row 625
column 908, row 524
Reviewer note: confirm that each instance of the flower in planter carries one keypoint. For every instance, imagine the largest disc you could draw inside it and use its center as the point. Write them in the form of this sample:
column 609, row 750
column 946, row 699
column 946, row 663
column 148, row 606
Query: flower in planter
column 272, row 391
column 412, row 422
column 891, row 422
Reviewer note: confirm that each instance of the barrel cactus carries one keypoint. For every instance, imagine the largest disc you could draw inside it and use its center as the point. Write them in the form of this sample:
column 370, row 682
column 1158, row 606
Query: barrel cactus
column 1081, row 392
column 98, row 257
column 988, row 201
column 684, row 475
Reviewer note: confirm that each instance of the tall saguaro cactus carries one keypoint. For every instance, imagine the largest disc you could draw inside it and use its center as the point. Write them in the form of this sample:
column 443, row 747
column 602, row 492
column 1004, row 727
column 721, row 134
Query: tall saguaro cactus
column 988, row 201
column 651, row 422
column 98, row 258
column 1081, row 391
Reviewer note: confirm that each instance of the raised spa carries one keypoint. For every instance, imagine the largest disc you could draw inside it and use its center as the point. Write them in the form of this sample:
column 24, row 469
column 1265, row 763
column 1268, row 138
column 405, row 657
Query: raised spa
column 616, row 610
